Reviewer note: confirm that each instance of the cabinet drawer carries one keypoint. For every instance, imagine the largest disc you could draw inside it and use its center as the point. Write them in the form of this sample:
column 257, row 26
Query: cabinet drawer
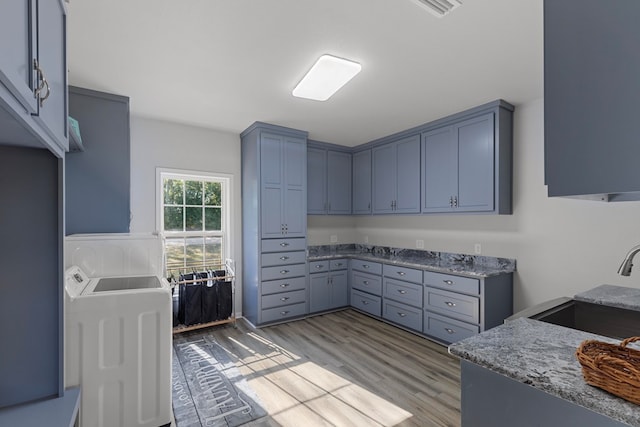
column 338, row 264
column 452, row 283
column 402, row 314
column 282, row 313
column 462, row 307
column 283, row 285
column 284, row 298
column 404, row 292
column 365, row 302
column 366, row 266
column 318, row 266
column 447, row 330
column 284, row 271
column 283, row 258
column 402, row 273
column 284, row 245
column 366, row 282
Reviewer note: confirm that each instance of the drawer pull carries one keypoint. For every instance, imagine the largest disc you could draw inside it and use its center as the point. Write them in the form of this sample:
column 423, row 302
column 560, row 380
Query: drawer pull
column 365, row 302
column 318, row 265
column 284, row 244
column 365, row 282
column 284, row 285
column 402, row 314
column 401, row 273
column 284, row 313
column 450, row 331
column 339, row 264
column 284, row 258
column 450, row 304
column 284, row 298
column 448, row 282
column 365, row 266
column 402, row 291
column 284, row 271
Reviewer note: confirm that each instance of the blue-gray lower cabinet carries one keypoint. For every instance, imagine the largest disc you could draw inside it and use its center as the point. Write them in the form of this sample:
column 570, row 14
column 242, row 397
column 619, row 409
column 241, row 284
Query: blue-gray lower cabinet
column 361, row 182
column 396, row 176
column 98, row 179
column 328, row 285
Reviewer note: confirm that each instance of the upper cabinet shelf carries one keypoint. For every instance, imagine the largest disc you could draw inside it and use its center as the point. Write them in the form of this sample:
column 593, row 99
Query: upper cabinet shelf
column 591, row 98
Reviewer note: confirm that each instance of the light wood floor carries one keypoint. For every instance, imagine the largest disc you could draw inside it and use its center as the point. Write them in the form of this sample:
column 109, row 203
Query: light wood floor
column 345, row 369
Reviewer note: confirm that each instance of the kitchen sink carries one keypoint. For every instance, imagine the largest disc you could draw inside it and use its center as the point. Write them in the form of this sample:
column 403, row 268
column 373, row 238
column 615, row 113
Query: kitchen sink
column 599, row 319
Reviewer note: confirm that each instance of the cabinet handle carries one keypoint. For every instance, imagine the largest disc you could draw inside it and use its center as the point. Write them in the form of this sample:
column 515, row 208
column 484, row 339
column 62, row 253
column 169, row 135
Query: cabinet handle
column 365, row 282
column 450, row 331
column 284, row 258
column 369, row 205
column 448, row 282
column 285, row 285
column 402, row 291
column 284, row 298
column 318, row 265
column 364, row 302
column 401, row 273
column 455, row 201
column 284, row 244
column 329, row 206
column 284, row 271
column 450, row 304
column 402, row 314
column 392, row 205
column 284, row 313
column 43, row 83
column 365, row 266
column 339, row 264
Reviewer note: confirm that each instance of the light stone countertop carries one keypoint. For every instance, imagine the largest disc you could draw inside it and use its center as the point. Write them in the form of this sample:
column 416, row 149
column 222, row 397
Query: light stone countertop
column 542, row 355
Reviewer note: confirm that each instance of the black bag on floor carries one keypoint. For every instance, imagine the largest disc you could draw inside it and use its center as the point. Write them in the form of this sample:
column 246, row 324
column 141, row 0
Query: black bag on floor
column 209, row 298
column 190, row 310
column 224, row 292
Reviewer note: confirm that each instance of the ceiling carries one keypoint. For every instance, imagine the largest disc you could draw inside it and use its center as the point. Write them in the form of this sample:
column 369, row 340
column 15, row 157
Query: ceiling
column 224, row 64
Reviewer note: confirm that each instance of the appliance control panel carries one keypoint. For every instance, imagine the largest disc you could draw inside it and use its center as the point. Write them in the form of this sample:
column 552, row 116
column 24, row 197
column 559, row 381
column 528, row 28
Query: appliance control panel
column 75, row 280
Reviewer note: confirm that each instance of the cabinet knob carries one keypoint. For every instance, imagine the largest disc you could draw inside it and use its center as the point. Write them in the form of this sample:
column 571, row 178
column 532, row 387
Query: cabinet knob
column 284, row 298
column 455, row 201
column 450, row 304
column 448, row 282
column 402, row 291
column 284, row 258
column 284, row 271
column 284, row 313
column 365, row 302
column 365, row 282
column 365, row 266
column 401, row 273
column 451, row 201
column 339, row 264
column 450, row 331
column 284, row 285
column 318, row 265
column 284, row 244
column 402, row 314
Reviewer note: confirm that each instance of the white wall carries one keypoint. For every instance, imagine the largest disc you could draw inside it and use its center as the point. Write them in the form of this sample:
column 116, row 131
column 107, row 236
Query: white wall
column 162, row 144
column 562, row 246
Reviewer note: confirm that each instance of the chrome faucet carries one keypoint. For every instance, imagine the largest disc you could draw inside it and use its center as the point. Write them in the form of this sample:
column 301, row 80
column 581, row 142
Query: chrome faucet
column 625, row 268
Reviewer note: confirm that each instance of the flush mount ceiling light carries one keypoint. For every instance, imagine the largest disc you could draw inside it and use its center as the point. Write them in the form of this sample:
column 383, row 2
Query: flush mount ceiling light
column 327, row 75
column 438, row 7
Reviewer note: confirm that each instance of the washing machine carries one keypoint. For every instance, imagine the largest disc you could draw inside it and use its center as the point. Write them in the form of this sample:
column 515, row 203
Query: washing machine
column 118, row 330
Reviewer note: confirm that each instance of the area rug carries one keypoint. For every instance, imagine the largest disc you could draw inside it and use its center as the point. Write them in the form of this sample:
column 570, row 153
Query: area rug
column 208, row 389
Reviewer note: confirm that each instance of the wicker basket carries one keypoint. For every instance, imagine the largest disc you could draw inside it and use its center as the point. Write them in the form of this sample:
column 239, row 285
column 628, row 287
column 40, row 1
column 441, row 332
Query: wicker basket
column 611, row 367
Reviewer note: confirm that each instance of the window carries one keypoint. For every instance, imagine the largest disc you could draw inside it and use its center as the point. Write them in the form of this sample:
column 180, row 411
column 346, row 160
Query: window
column 194, row 219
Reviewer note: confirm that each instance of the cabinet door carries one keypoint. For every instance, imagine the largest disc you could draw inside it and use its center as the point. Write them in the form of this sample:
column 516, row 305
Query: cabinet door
column 272, row 191
column 319, row 292
column 294, row 211
column 18, row 39
column 439, row 170
column 407, row 198
column 52, row 111
column 384, row 178
column 362, row 182
column 475, row 164
column 339, row 182
column 339, row 289
column 316, row 181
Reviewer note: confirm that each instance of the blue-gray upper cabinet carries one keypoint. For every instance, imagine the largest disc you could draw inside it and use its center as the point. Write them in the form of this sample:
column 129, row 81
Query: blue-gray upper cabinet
column 328, row 181
column 283, row 177
column 98, row 179
column 33, row 74
column 458, row 167
column 396, row 176
column 362, row 182
column 591, row 98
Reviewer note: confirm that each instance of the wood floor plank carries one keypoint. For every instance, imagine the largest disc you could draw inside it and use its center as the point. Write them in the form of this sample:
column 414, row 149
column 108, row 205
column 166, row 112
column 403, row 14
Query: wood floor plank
column 345, row 369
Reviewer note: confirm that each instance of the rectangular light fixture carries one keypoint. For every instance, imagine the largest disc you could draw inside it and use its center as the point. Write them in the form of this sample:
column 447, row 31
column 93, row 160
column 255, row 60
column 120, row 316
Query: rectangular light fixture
column 439, row 8
column 327, row 75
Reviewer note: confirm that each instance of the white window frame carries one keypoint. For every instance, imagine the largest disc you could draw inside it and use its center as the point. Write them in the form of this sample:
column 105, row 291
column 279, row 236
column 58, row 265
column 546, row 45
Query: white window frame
column 226, row 215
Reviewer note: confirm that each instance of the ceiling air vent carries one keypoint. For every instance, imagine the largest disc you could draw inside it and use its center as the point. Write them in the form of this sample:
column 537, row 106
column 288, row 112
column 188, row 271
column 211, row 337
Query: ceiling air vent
column 438, row 7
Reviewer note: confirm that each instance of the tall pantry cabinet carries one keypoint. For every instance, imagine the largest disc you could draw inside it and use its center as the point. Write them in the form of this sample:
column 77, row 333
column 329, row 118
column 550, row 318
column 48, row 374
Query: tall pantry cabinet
column 274, row 223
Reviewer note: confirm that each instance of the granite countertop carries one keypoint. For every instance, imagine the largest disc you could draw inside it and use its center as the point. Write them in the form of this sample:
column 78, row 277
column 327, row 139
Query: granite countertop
column 441, row 262
column 543, row 355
